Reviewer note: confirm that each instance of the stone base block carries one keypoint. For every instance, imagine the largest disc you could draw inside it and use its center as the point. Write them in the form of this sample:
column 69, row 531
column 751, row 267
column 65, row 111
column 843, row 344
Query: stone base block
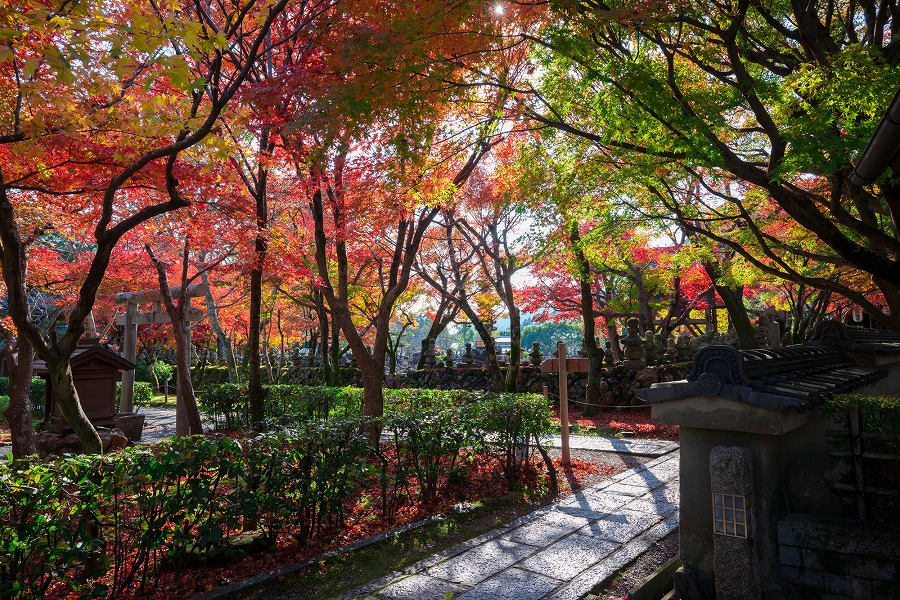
column 131, row 424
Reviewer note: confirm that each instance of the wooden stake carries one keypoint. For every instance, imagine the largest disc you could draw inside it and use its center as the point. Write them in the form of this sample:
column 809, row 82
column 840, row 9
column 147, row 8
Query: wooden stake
column 563, row 404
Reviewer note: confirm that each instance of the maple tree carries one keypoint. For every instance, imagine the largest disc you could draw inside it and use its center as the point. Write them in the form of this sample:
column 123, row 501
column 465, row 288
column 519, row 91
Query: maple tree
column 99, row 108
column 492, row 222
column 779, row 98
column 378, row 173
column 451, row 269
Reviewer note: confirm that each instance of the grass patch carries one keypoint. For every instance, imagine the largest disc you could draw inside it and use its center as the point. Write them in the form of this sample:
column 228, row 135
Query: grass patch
column 337, row 575
column 159, row 400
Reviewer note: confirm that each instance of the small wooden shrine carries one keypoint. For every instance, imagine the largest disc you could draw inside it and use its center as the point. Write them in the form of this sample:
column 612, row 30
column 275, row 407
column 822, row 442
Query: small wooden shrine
column 95, row 371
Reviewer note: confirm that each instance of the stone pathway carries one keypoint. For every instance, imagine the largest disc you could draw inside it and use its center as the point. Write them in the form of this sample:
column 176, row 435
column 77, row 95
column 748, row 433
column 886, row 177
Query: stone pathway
column 159, row 424
column 558, row 552
column 620, row 445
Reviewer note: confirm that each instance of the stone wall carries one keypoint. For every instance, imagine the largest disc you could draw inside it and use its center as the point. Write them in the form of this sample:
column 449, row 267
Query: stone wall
column 838, row 559
column 616, row 389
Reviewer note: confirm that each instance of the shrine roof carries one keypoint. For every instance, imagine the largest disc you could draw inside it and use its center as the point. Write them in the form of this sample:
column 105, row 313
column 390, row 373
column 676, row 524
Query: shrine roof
column 780, row 378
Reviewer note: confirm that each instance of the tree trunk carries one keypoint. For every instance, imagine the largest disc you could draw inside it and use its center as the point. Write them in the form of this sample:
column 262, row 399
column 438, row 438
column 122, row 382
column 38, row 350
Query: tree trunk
column 187, row 416
column 446, row 312
column 18, row 415
column 65, row 396
column 733, row 298
column 324, row 337
column 490, row 348
column 223, row 338
column 335, row 352
column 254, row 376
column 613, row 333
column 588, row 319
column 372, row 375
column 515, row 346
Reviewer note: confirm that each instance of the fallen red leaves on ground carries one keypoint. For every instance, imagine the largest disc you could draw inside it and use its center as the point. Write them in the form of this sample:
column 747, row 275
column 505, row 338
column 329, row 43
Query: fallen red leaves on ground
column 617, row 422
column 484, row 480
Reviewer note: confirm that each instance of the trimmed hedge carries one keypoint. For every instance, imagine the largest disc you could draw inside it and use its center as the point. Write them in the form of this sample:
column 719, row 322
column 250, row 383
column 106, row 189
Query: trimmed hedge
column 121, row 516
column 513, row 423
column 106, row 524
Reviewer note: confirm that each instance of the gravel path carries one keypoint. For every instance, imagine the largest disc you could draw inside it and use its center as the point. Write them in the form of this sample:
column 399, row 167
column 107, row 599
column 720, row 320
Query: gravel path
column 159, row 424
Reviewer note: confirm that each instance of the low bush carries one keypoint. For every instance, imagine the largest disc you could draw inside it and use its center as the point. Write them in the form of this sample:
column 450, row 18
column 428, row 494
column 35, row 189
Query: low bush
column 228, row 404
column 102, row 524
column 4, row 404
column 515, row 424
column 143, row 393
column 423, row 423
column 37, row 394
column 424, row 446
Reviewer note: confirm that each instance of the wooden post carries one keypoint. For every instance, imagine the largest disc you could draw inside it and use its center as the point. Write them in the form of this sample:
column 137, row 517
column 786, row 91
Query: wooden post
column 857, row 448
column 129, row 351
column 563, row 405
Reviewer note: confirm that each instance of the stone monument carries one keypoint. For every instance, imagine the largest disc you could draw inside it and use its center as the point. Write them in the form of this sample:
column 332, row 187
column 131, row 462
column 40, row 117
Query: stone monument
column 634, row 345
column 468, row 355
column 536, row 356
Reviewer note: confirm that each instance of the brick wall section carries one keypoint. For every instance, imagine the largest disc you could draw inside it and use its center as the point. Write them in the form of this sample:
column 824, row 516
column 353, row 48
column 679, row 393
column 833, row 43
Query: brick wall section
column 838, row 559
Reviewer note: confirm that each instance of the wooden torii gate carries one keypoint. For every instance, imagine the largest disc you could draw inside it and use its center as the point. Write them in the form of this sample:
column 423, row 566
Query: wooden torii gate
column 132, row 318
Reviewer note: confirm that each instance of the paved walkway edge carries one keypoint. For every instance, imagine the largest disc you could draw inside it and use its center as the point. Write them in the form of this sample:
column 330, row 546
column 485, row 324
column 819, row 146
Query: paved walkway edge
column 269, row 576
column 599, row 443
column 578, row 586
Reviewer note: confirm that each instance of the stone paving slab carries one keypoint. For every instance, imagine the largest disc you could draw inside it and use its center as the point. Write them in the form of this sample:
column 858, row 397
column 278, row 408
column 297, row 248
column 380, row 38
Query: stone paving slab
column 588, row 579
column 592, row 505
column 652, row 506
column 479, row 563
column 620, row 527
column 548, row 528
column 421, row 587
column 561, row 551
column 513, row 584
column 620, row 445
column 570, row 556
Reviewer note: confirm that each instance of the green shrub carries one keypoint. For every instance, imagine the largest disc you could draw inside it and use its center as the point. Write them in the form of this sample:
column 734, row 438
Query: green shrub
column 515, row 423
column 4, row 404
column 162, row 370
column 143, row 393
column 186, row 496
column 228, row 405
column 209, row 375
column 142, row 371
column 37, row 394
column 426, row 443
column 877, row 414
